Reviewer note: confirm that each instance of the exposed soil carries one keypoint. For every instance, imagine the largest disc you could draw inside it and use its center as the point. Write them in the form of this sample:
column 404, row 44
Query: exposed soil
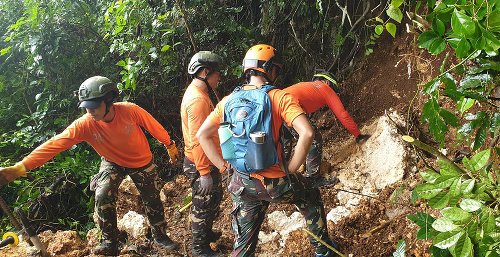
column 375, row 216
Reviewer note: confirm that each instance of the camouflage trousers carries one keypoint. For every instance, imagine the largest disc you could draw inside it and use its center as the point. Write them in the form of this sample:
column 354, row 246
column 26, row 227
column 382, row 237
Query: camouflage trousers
column 251, row 199
column 205, row 208
column 106, row 183
column 313, row 159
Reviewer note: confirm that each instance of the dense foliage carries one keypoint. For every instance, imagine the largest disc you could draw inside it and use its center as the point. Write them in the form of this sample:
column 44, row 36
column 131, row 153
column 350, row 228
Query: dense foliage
column 49, row 47
column 467, row 196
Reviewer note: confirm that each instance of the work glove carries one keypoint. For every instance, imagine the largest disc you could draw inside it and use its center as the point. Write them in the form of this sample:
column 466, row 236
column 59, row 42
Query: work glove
column 206, row 184
column 227, row 167
column 362, row 137
column 172, row 152
column 11, row 173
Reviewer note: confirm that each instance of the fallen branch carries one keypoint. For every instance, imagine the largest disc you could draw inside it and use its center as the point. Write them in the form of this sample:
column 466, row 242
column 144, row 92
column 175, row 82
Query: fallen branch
column 436, row 153
column 323, row 242
column 375, row 229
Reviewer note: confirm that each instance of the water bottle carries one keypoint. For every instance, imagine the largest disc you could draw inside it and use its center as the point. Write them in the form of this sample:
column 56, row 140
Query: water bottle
column 226, row 141
column 256, row 156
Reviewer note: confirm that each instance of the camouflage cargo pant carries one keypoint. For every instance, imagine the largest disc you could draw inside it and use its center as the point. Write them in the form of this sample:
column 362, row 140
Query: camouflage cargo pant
column 106, row 183
column 313, row 159
column 205, row 208
column 251, row 199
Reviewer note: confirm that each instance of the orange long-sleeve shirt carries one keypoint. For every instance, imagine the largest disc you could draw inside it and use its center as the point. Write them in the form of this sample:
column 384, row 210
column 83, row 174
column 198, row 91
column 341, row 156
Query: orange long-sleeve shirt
column 121, row 141
column 195, row 108
column 316, row 94
column 284, row 109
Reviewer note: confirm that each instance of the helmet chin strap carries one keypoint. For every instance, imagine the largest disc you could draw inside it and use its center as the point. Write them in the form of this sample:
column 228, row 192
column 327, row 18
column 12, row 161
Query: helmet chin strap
column 108, row 107
column 212, row 95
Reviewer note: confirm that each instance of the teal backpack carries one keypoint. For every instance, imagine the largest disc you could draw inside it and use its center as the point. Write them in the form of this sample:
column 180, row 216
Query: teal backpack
column 247, row 115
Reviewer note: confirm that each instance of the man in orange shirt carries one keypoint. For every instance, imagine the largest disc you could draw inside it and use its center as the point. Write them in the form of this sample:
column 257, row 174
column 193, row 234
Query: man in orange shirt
column 316, row 94
column 114, row 131
column 205, row 178
column 252, row 192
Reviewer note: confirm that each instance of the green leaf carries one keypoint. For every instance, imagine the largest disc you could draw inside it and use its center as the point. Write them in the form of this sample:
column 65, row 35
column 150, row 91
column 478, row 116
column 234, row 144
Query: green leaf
column 394, row 13
column 470, row 205
column 448, row 169
column 429, row 175
column 480, row 138
column 494, row 21
column 400, row 249
column 431, row 86
column 438, row 27
column 426, row 39
column 391, row 28
column 165, row 48
column 5, row 50
column 397, row 3
column 444, row 225
column 479, row 160
column 467, row 186
column 463, row 48
column 424, row 221
column 444, row 181
column 379, row 29
column 463, row 247
column 476, row 81
column 465, row 104
column 427, row 191
column 121, row 63
column 437, row 46
column 462, row 24
column 447, row 239
column 378, row 19
column 440, row 200
column 449, row 117
column 455, row 189
column 455, row 213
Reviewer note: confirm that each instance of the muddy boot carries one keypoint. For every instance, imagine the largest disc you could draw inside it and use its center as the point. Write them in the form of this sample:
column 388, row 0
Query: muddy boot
column 165, row 242
column 204, row 251
column 213, row 236
column 105, row 248
column 328, row 253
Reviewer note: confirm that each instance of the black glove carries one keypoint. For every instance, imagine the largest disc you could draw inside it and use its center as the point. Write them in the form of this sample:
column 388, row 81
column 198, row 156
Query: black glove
column 362, row 137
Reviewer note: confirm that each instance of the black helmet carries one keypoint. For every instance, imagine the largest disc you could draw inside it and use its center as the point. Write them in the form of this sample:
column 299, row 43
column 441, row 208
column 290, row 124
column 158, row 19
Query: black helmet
column 205, row 59
column 328, row 76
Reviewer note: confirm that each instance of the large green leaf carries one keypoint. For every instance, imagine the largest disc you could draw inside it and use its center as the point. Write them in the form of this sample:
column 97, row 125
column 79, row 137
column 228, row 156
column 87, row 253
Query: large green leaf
column 429, row 175
column 440, row 200
column 479, row 160
column 444, row 225
column 427, row 191
column 463, row 247
column 465, row 104
column 424, row 221
column 463, row 48
column 455, row 213
column 470, row 205
column 462, row 24
column 480, row 138
column 394, row 13
column 449, row 117
column 438, row 27
column 447, row 239
column 391, row 28
column 426, row 39
column 467, row 186
column 475, row 81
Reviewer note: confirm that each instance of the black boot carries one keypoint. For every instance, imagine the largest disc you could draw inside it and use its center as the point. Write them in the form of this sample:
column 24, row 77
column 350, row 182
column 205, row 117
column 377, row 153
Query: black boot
column 104, row 248
column 213, row 236
column 165, row 242
column 204, row 252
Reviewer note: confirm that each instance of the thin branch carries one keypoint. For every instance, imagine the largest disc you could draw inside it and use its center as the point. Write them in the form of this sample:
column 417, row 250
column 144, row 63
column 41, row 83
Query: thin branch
column 187, row 26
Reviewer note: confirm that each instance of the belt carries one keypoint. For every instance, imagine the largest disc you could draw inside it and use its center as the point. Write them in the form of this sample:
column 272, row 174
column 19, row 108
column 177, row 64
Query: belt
column 251, row 175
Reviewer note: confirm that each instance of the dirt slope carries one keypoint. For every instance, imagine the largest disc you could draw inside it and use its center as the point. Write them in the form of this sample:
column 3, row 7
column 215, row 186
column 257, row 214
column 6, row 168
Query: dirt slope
column 366, row 209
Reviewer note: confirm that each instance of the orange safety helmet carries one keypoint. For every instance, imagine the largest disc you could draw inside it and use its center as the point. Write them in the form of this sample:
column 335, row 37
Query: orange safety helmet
column 261, row 57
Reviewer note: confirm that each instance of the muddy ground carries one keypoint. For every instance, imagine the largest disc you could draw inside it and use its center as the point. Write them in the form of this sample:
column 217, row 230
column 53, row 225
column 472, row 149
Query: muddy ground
column 368, row 206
